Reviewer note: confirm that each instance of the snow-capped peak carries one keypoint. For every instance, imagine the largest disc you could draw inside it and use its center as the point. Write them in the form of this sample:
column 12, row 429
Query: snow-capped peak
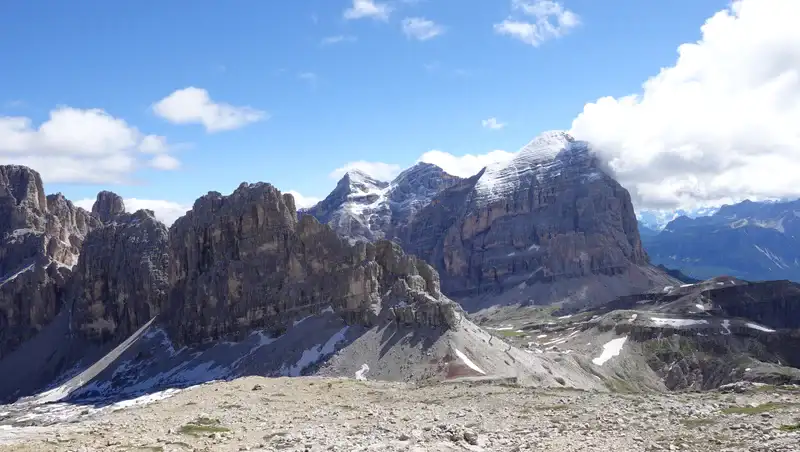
column 538, row 156
column 356, row 176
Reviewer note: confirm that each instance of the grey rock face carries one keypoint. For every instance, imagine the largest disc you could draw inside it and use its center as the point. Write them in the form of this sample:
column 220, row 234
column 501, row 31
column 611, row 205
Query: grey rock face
column 120, row 281
column 775, row 304
column 549, row 213
column 40, row 239
column 244, row 261
column 363, row 208
column 107, row 206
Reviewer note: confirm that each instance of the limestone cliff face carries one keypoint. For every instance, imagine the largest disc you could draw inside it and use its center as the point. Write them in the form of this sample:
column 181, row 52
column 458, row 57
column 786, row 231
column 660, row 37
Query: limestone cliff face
column 775, row 304
column 120, row 281
column 40, row 240
column 244, row 261
column 549, row 213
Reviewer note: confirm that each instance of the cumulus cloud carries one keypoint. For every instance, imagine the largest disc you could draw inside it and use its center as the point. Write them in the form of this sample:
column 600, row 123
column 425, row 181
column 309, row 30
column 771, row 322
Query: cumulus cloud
column 492, row 123
column 421, row 29
column 536, row 21
column 302, row 202
column 165, row 162
column 368, row 9
column 165, row 211
column 76, row 145
column 464, row 165
column 194, row 106
column 721, row 124
column 378, row 170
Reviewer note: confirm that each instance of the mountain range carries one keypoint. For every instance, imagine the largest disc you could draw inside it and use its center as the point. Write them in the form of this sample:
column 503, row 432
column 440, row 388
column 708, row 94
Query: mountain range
column 749, row 240
column 415, row 279
column 549, row 223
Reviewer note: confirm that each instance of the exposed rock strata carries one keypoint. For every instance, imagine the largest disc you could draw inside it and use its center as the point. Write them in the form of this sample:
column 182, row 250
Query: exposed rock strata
column 244, row 261
column 549, row 213
column 40, row 240
column 120, row 281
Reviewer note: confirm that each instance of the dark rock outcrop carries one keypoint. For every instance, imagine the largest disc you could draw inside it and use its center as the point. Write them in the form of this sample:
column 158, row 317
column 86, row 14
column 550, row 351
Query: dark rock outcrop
column 107, row 206
column 244, row 261
column 40, row 240
column 775, row 304
column 120, row 281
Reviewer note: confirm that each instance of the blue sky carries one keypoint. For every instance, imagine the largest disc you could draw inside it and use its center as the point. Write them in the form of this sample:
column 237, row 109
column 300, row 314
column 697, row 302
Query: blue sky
column 307, row 106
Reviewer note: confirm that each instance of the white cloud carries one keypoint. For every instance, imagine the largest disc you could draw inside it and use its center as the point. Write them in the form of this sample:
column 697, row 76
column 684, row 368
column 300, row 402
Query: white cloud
column 75, row 145
column 492, row 123
column 378, row 170
column 536, row 21
column 329, row 40
column 153, row 144
column 368, row 9
column 421, row 29
column 721, row 124
column 464, row 165
column 165, row 211
column 194, row 106
column 301, row 201
column 165, row 162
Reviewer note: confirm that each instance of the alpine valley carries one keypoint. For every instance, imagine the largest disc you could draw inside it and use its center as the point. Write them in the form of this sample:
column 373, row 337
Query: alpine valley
column 531, row 273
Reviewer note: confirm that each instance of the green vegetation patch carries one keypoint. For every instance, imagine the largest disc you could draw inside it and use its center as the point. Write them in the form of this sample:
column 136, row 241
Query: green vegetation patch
column 203, row 426
column 790, row 428
column 512, row 333
column 551, row 407
column 758, row 409
column 697, row 422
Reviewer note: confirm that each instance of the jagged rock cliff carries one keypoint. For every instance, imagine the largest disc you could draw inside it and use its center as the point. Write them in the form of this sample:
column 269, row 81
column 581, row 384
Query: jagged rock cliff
column 40, row 240
column 244, row 261
column 120, row 281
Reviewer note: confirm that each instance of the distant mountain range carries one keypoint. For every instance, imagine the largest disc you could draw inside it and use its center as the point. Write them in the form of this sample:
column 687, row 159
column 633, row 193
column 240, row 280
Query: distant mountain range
column 656, row 220
column 748, row 240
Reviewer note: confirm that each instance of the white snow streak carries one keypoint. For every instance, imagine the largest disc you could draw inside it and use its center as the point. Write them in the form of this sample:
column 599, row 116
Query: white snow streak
column 611, row 349
column 758, row 327
column 469, row 362
column 677, row 322
column 361, row 374
column 314, row 354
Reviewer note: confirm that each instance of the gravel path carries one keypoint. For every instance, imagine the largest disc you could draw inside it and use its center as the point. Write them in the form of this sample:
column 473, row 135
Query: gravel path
column 316, row 414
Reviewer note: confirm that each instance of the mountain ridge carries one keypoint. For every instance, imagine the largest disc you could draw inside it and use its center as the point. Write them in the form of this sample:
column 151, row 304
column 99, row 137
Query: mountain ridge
column 750, row 240
column 479, row 231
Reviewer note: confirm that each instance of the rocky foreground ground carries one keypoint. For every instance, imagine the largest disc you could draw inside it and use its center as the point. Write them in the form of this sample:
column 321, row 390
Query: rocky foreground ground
column 316, row 414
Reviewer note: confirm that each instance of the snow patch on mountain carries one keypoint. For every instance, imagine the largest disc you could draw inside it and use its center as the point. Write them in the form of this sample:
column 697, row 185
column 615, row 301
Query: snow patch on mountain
column 537, row 157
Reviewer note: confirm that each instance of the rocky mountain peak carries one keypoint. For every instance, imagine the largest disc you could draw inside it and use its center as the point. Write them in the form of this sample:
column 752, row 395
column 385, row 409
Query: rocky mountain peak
column 108, row 205
column 40, row 240
column 21, row 190
column 121, row 278
column 244, row 261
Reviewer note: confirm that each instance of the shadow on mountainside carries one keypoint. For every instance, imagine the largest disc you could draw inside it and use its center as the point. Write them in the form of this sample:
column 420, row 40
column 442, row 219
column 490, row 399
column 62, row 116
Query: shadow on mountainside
column 147, row 366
